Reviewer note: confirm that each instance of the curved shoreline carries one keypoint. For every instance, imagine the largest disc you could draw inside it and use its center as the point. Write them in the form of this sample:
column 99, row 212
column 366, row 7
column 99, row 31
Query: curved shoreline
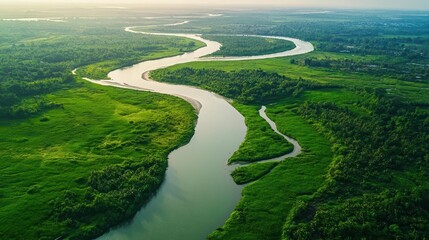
column 199, row 166
column 297, row 149
column 301, row 47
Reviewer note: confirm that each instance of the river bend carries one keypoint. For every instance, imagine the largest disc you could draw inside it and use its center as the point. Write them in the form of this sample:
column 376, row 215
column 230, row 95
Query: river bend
column 198, row 194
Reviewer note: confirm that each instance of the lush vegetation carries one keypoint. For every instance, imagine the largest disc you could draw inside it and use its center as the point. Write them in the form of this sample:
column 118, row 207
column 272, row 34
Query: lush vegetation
column 358, row 106
column 78, row 159
column 39, row 58
column 245, row 86
column 248, row 46
column 363, row 173
column 411, row 92
column 380, row 169
column 266, row 202
column 251, row 87
column 53, row 163
column 357, row 178
column 249, row 220
column 261, row 141
column 413, row 72
column 252, row 172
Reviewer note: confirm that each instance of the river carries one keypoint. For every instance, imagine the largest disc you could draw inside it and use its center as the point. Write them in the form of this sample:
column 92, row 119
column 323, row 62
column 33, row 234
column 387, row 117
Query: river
column 198, row 194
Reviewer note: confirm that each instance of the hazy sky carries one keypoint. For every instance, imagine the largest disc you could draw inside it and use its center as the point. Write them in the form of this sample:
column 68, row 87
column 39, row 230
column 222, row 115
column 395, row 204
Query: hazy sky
column 368, row 4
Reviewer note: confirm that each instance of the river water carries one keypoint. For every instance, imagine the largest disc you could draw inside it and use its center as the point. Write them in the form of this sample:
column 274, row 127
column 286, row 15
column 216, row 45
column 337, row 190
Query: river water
column 198, row 193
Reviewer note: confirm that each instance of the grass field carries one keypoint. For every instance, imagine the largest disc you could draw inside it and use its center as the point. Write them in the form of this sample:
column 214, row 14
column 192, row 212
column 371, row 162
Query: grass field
column 411, row 91
column 99, row 70
column 70, row 133
column 252, row 172
column 248, row 46
column 56, row 151
column 266, row 203
column 261, row 141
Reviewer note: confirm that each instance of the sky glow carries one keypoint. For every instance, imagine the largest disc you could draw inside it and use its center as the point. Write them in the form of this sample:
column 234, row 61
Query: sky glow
column 362, row 4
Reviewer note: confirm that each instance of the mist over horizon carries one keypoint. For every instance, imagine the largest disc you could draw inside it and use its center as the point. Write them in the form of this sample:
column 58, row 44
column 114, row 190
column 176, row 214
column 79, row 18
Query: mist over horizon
column 329, row 4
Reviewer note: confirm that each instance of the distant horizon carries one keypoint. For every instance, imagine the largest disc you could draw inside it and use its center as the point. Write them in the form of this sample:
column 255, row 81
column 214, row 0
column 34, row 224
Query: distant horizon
column 414, row 5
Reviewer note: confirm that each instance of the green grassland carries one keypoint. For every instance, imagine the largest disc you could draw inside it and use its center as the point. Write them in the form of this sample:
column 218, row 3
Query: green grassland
column 261, row 141
column 31, row 68
column 78, row 158
column 412, row 91
column 57, row 151
column 100, row 70
column 252, row 172
column 248, row 46
column 266, row 203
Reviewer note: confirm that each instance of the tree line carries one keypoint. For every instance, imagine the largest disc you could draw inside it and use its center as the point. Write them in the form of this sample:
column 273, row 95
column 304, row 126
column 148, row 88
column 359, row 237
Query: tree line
column 366, row 194
column 35, row 61
column 403, row 71
column 245, row 86
column 114, row 194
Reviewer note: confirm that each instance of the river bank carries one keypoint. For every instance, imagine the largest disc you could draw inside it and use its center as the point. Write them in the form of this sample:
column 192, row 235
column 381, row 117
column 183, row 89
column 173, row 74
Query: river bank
column 196, row 168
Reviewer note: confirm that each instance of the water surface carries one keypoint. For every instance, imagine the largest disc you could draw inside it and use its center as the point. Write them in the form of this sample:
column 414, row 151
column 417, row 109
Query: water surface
column 198, row 194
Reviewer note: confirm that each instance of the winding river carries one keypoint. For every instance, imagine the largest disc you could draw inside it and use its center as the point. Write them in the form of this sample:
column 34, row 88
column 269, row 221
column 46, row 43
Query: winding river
column 198, row 193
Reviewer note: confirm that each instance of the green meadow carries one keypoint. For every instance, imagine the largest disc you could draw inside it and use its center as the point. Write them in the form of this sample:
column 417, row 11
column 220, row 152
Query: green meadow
column 411, row 91
column 266, row 203
column 252, row 172
column 248, row 46
column 78, row 158
column 261, row 141
column 58, row 150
